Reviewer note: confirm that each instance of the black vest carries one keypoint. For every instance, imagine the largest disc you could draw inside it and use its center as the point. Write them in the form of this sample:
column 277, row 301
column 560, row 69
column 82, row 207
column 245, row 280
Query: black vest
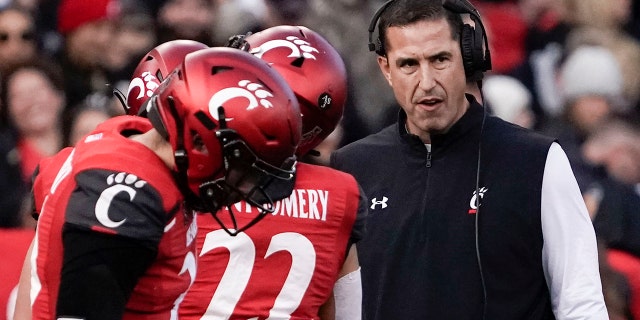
column 419, row 258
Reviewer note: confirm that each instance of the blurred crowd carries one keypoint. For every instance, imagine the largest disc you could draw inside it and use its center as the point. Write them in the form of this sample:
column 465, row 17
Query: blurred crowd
column 568, row 68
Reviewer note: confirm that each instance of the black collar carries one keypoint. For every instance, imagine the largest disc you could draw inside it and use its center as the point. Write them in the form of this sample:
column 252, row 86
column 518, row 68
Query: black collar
column 471, row 120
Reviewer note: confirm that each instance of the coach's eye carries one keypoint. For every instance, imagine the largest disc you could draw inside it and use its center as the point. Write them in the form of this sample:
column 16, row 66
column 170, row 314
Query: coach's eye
column 408, row 66
column 441, row 62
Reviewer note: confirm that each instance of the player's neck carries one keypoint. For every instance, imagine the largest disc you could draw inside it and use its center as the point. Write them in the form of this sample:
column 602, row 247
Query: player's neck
column 154, row 141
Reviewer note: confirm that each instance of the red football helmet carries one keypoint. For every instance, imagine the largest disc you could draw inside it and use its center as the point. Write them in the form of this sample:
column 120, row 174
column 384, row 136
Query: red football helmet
column 153, row 68
column 314, row 70
column 234, row 125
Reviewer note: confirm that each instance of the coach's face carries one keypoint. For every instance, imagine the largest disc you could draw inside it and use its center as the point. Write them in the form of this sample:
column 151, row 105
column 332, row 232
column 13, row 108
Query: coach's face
column 424, row 67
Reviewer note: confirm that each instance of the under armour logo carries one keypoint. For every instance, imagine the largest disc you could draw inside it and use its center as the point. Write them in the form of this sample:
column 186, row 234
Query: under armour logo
column 121, row 182
column 299, row 48
column 256, row 94
column 472, row 204
column 382, row 203
column 146, row 84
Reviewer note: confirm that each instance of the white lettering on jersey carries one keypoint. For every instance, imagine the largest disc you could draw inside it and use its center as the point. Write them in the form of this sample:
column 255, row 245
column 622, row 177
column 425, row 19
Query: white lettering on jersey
column 305, row 204
column 302, row 204
column 235, row 279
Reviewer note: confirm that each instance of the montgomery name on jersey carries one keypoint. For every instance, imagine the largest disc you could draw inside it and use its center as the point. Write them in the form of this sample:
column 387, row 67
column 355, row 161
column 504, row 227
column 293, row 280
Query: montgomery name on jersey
column 285, row 266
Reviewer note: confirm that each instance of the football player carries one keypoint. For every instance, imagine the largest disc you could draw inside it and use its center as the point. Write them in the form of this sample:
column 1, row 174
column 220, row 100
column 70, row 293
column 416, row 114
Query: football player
column 293, row 262
column 116, row 224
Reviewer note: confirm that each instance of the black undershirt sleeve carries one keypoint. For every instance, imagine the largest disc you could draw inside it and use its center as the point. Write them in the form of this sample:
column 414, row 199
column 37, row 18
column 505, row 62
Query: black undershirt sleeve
column 99, row 273
column 359, row 227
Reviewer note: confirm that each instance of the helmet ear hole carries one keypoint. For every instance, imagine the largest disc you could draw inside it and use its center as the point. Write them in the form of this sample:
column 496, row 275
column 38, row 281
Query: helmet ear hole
column 159, row 75
column 298, row 62
column 198, row 142
column 219, row 69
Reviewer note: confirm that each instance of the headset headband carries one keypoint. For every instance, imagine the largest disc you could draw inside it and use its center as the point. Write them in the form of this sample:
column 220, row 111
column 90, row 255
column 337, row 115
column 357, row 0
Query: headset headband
column 455, row 6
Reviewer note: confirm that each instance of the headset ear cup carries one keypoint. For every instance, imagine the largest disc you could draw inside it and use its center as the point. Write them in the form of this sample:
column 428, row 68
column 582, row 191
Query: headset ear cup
column 379, row 47
column 467, row 44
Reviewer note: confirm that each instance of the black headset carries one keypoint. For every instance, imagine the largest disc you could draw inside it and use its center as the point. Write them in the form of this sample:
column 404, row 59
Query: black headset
column 475, row 58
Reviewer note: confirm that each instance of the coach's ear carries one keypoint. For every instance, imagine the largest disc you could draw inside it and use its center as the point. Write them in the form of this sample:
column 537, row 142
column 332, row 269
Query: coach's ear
column 383, row 63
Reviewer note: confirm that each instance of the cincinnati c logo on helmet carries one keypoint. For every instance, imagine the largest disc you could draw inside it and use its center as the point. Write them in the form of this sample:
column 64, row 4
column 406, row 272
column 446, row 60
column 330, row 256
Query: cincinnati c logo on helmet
column 255, row 93
column 146, row 84
column 299, row 48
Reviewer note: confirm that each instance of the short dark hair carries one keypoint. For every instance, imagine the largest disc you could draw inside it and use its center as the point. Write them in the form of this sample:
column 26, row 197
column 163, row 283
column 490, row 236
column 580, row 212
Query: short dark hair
column 404, row 12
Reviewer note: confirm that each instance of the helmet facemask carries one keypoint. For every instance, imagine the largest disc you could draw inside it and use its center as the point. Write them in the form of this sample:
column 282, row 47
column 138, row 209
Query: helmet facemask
column 247, row 178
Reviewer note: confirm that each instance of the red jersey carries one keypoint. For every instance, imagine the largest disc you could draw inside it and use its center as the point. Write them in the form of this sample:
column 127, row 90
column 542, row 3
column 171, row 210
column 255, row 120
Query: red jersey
column 115, row 186
column 14, row 244
column 285, row 266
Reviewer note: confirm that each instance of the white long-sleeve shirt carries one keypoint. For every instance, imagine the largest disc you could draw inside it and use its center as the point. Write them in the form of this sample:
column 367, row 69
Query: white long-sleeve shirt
column 569, row 254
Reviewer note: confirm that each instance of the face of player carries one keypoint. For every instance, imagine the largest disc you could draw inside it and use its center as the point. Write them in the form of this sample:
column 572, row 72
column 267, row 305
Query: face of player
column 424, row 68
